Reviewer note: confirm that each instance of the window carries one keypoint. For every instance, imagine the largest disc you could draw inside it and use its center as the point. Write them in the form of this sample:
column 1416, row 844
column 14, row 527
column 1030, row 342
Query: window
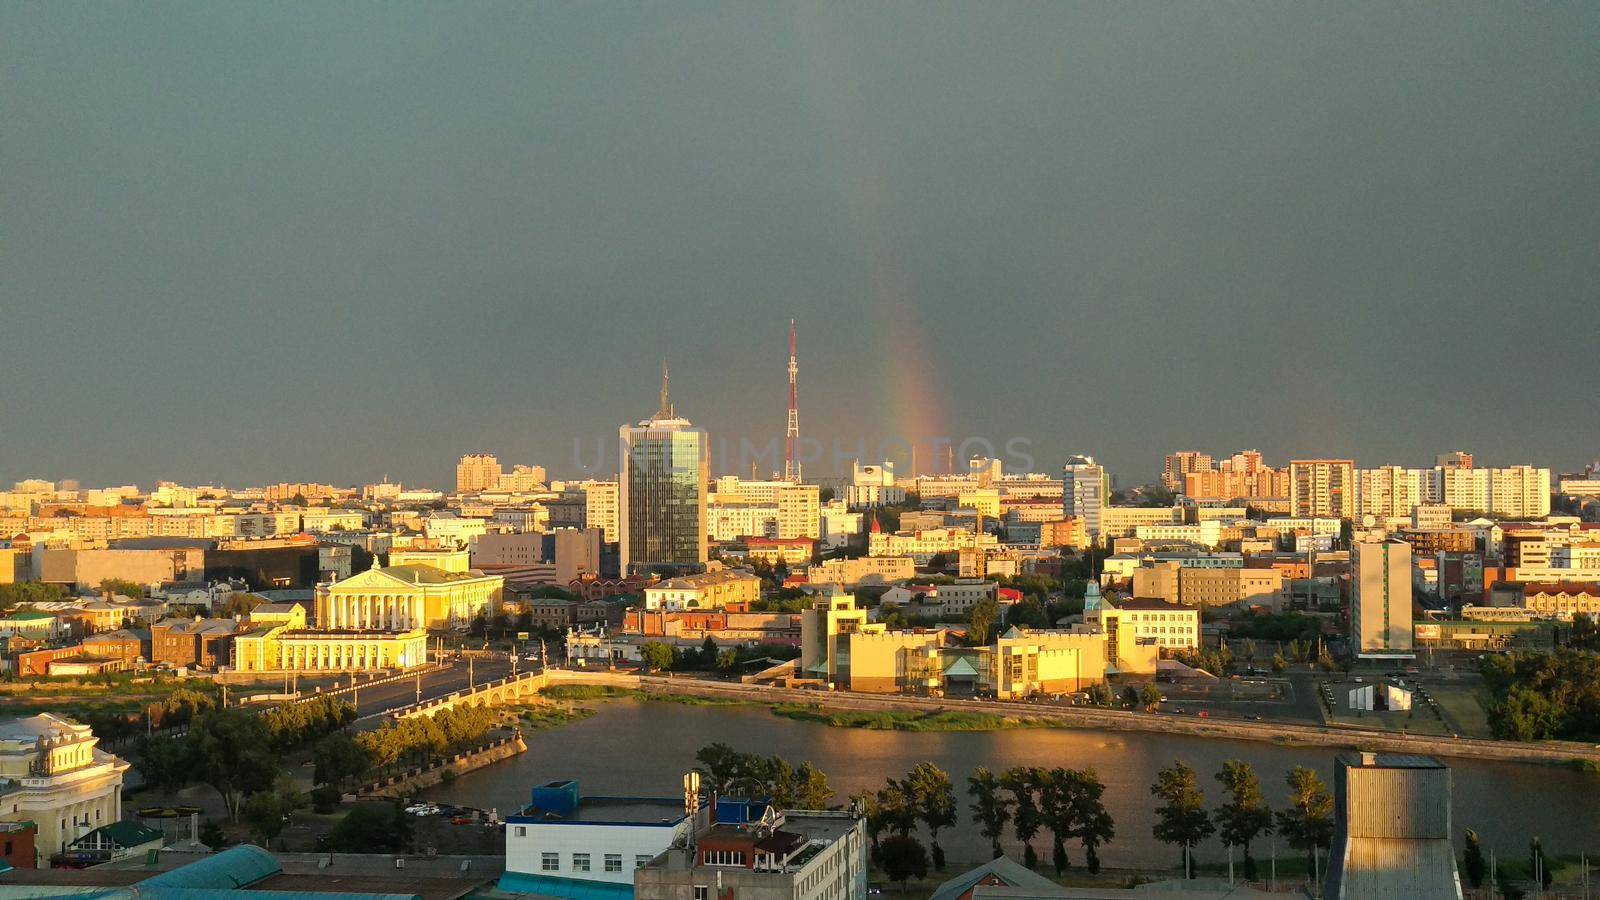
column 613, row 862
column 522, row 831
column 550, row 862
column 641, row 859
column 701, row 892
column 580, row 862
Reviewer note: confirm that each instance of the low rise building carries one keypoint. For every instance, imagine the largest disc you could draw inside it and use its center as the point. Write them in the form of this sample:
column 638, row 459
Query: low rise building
column 400, row 598
column 197, row 642
column 782, row 855
column 1554, row 600
column 866, row 570
column 53, row 774
column 789, row 551
column 1170, row 626
column 923, row 545
column 566, row 845
column 707, row 590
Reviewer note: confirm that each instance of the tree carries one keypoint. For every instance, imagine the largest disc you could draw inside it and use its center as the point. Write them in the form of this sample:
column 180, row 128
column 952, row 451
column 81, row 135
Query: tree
column 1585, row 633
column 370, row 827
column 1245, row 815
column 708, row 653
column 1099, row 694
column 1130, row 697
column 903, row 858
column 228, row 750
column 337, row 758
column 1472, row 862
column 811, row 790
column 989, row 809
column 1181, row 818
column 980, row 625
column 124, row 587
column 897, row 807
column 656, row 656
column 164, row 762
column 1279, row 664
column 1055, row 809
column 1091, row 823
column 1150, row 697
column 935, row 803
column 1308, row 822
column 1025, row 821
column 269, row 811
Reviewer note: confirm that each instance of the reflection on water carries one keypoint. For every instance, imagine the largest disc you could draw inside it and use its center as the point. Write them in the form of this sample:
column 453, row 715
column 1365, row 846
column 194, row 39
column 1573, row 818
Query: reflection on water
column 642, row 748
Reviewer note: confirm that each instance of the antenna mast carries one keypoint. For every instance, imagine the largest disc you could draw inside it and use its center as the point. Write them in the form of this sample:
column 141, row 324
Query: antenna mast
column 791, row 436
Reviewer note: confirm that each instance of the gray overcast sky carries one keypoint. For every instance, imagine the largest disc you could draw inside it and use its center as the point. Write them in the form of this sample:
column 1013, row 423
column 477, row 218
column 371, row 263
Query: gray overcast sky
column 256, row 242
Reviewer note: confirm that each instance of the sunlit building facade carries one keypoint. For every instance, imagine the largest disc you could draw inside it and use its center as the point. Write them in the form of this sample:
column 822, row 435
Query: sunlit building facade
column 662, row 503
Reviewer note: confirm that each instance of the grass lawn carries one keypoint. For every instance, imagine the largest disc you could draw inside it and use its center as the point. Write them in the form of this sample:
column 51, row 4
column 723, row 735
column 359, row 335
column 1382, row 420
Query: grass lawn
column 1465, row 705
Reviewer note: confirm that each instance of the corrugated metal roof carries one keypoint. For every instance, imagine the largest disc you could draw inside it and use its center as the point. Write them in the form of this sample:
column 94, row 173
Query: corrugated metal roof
column 233, row 868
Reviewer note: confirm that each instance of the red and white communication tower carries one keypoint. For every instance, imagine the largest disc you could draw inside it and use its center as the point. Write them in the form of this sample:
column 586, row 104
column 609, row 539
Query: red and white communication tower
column 791, row 435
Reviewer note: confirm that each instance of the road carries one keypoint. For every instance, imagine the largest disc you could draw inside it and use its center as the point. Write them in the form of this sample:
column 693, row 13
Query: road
column 371, row 701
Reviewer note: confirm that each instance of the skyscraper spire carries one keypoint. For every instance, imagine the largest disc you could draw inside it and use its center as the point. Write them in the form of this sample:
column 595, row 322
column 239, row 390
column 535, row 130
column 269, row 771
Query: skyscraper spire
column 666, row 402
column 791, row 435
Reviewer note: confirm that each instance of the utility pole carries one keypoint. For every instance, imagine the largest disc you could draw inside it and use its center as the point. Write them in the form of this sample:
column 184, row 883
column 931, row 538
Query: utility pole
column 470, row 679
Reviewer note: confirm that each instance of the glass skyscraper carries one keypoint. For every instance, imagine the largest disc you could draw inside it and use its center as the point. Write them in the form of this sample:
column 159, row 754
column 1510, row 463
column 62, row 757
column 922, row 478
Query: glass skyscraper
column 662, row 496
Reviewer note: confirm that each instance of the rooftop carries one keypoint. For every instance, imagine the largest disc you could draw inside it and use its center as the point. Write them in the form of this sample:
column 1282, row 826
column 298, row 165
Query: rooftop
column 1147, row 603
column 611, row 811
column 1389, row 761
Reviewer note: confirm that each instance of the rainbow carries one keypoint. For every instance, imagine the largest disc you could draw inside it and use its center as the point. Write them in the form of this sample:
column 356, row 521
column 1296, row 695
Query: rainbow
column 911, row 402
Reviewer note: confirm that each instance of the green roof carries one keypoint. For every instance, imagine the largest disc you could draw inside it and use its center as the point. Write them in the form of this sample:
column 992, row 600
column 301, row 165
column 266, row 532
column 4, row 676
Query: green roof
column 125, row 834
column 28, row 615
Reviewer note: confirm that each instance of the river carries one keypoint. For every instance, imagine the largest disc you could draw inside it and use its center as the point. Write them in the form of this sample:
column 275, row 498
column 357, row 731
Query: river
column 642, row 748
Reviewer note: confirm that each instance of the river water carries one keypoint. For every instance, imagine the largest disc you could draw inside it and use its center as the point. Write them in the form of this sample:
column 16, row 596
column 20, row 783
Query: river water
column 642, row 748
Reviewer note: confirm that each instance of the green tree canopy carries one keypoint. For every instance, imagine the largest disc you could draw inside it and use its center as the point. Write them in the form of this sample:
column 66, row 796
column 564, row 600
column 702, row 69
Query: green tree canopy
column 1181, row 818
column 1307, row 823
column 1244, row 815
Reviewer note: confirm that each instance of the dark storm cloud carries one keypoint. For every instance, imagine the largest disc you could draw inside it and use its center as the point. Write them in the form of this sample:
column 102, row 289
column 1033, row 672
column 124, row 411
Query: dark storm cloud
column 250, row 242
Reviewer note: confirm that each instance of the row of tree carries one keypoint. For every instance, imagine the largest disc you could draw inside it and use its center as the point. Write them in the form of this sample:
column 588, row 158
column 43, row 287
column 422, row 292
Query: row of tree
column 419, row 738
column 1066, row 802
column 1540, row 696
column 292, row 725
column 1244, row 816
column 176, row 710
column 728, row 772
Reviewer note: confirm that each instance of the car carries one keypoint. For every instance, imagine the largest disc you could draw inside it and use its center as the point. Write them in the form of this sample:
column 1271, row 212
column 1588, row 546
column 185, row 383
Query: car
column 1253, row 717
column 1204, row 714
column 461, row 820
column 1179, row 710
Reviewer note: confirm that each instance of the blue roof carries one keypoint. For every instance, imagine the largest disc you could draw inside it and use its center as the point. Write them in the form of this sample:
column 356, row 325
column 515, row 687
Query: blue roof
column 567, row 888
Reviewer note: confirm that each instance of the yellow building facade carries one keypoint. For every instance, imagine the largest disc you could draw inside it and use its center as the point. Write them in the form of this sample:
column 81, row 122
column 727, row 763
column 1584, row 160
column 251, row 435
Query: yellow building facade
column 402, row 598
column 280, row 641
column 53, row 774
column 281, row 649
column 1025, row 662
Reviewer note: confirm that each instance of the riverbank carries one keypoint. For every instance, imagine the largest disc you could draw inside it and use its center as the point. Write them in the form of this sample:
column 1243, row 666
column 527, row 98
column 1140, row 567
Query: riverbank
column 1085, row 717
column 440, row 771
column 642, row 748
